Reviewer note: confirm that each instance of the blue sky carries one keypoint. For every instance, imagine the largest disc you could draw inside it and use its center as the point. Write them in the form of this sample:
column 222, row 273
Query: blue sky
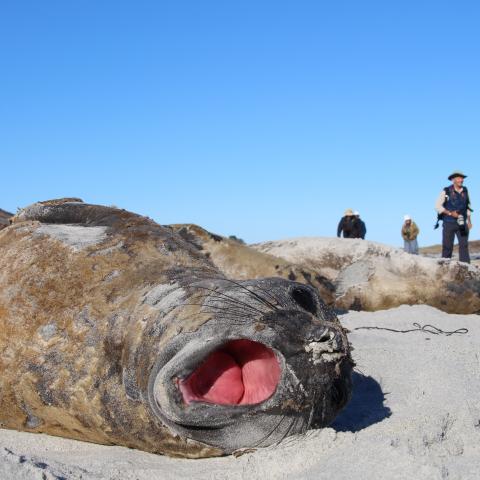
column 256, row 118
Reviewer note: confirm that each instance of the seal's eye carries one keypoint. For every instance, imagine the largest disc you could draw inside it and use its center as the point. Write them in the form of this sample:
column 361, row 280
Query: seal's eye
column 242, row 372
column 305, row 299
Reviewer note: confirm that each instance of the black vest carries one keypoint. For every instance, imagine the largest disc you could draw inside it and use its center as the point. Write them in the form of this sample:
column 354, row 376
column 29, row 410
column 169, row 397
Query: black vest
column 455, row 201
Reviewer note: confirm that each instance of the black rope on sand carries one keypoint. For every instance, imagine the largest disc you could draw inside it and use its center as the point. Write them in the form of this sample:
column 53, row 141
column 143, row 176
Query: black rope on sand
column 419, row 328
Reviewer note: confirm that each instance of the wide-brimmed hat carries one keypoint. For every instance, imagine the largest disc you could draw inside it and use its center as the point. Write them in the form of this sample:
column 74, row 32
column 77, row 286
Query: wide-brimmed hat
column 348, row 212
column 457, row 173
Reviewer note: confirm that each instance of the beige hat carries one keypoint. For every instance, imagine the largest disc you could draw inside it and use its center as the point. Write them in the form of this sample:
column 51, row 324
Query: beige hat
column 348, row 212
column 456, row 173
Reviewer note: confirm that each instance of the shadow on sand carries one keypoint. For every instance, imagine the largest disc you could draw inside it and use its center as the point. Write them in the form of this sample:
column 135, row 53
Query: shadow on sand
column 365, row 408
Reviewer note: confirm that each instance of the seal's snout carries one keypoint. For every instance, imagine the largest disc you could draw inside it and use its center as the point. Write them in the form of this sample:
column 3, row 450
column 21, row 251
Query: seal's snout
column 241, row 372
column 270, row 361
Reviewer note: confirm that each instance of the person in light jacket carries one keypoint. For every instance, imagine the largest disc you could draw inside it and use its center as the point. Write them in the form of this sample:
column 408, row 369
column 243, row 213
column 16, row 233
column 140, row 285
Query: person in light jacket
column 410, row 233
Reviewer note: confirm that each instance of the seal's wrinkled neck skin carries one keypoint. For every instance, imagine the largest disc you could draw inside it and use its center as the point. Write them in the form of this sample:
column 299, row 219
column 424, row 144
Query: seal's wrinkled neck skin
column 272, row 361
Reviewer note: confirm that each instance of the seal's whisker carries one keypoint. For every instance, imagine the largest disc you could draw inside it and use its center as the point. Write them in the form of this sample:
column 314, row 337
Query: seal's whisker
column 212, row 290
column 304, row 426
column 254, row 294
column 269, row 434
column 269, row 294
column 259, row 298
column 312, row 410
column 235, row 304
column 215, row 294
column 357, row 369
column 231, row 299
column 273, row 297
column 289, row 429
column 230, row 313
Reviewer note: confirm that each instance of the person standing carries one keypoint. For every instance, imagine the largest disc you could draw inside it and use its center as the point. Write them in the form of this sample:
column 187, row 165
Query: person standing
column 453, row 207
column 361, row 229
column 410, row 233
column 347, row 224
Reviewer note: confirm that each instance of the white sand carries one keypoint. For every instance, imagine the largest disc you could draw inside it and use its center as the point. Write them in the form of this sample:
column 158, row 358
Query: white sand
column 415, row 414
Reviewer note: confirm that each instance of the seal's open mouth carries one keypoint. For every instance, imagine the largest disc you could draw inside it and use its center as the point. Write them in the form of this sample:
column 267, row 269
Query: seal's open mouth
column 241, row 372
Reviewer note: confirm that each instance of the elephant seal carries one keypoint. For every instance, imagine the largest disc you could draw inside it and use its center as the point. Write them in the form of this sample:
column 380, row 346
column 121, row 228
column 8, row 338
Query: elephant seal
column 115, row 330
column 372, row 276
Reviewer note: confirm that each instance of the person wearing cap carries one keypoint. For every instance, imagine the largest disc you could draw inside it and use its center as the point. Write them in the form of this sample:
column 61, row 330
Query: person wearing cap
column 410, row 233
column 453, row 207
column 347, row 224
column 360, row 227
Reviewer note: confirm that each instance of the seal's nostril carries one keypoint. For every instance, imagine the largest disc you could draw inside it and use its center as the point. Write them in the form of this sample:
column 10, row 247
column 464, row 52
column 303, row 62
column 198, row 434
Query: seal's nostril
column 326, row 336
column 305, row 299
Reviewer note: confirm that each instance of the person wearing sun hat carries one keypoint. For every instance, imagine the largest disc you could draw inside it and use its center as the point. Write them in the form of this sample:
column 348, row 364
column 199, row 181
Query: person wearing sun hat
column 453, row 207
column 347, row 224
column 410, row 233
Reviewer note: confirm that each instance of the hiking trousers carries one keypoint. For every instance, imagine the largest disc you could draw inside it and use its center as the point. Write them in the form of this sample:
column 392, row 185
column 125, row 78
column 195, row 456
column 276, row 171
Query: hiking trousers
column 411, row 246
column 450, row 229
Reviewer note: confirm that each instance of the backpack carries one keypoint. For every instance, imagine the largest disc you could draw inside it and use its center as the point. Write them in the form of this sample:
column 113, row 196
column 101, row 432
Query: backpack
column 356, row 228
column 348, row 226
column 440, row 215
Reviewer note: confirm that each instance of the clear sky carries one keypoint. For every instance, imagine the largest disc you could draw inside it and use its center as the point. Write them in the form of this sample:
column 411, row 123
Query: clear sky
column 263, row 119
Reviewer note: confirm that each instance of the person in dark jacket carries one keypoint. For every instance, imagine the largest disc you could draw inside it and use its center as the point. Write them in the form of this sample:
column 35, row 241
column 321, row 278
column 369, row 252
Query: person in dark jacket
column 348, row 225
column 454, row 207
column 361, row 229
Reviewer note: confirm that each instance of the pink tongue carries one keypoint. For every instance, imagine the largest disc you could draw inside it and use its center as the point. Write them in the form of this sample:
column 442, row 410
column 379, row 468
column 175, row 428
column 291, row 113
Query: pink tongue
column 217, row 380
column 240, row 373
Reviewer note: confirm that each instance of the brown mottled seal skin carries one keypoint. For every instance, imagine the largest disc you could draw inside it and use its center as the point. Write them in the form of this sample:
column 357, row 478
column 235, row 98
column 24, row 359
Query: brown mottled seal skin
column 105, row 316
